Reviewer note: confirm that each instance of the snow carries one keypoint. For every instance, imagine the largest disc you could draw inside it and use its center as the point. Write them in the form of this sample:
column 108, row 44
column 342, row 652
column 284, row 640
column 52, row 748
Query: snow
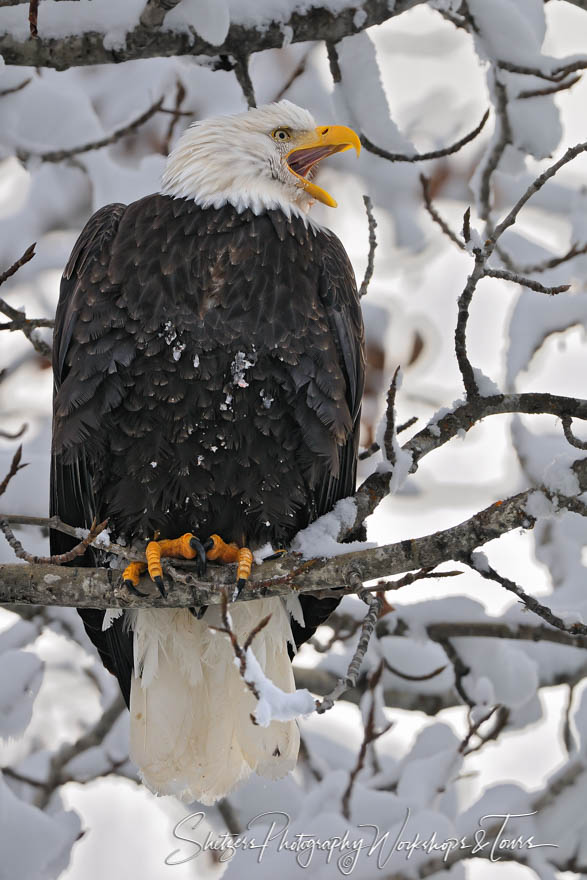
column 414, row 83
column 101, row 540
column 423, row 779
column 210, row 20
column 320, row 538
column 403, row 458
column 22, row 825
column 274, row 704
column 486, row 386
column 21, row 673
column 539, row 505
column 359, row 18
column 509, row 31
column 511, row 675
column 480, row 560
column 241, row 363
column 559, row 477
column 534, row 319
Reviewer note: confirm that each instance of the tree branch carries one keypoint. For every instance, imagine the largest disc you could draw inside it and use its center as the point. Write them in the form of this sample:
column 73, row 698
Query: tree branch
column 372, row 224
column 18, row 319
column 148, row 41
column 101, row 587
column 155, row 11
column 440, row 221
column 423, row 157
column 62, row 155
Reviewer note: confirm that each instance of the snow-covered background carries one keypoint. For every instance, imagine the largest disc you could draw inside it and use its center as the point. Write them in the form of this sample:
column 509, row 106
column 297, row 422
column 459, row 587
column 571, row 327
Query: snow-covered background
column 416, row 83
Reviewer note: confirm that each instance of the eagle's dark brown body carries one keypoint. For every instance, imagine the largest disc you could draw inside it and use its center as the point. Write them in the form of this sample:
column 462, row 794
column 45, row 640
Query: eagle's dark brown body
column 208, row 378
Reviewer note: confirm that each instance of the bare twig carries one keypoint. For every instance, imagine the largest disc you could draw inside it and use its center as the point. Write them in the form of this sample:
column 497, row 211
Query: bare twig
column 567, row 428
column 555, row 75
column 530, row 268
column 534, row 187
column 299, row 70
column 467, row 226
column 135, row 552
column 501, row 139
column 15, row 467
column 423, row 157
column 461, row 670
column 343, row 684
column 505, row 275
column 335, row 71
column 530, row 602
column 436, row 216
column 62, row 155
column 550, row 90
column 23, row 321
column 13, row 89
column 240, row 652
column 18, row 318
column 8, row 435
column 180, row 94
column 473, row 730
column 388, row 435
column 92, row 737
column 241, row 71
column 408, row 677
column 370, row 736
column 375, row 447
column 372, row 245
column 28, row 255
column 501, row 719
column 464, row 303
column 58, row 559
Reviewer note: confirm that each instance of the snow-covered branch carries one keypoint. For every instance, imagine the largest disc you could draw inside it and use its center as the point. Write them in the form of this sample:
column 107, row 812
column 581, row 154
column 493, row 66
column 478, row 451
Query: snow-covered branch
column 101, row 587
column 148, row 39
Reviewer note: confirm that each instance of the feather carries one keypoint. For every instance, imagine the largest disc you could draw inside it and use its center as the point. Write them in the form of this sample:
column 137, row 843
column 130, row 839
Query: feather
column 191, row 728
column 226, row 346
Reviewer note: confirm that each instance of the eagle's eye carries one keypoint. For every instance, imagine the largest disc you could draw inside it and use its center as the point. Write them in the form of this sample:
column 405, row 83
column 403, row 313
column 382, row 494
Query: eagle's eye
column 281, row 134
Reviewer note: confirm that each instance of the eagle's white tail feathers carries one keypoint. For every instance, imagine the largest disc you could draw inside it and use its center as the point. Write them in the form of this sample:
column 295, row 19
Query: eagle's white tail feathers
column 191, row 730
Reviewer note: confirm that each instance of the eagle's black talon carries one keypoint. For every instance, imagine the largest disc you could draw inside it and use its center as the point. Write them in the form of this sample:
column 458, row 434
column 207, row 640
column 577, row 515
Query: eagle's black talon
column 208, row 544
column 239, row 588
column 276, row 555
column 201, row 561
column 132, row 589
column 160, row 586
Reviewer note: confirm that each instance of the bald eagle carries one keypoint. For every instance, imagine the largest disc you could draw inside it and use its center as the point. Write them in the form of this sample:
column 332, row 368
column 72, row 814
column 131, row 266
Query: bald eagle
column 208, row 366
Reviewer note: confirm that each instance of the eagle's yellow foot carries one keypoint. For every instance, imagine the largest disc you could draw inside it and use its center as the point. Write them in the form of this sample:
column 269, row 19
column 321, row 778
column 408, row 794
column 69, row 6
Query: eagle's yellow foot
column 186, row 547
column 132, row 575
column 218, row 550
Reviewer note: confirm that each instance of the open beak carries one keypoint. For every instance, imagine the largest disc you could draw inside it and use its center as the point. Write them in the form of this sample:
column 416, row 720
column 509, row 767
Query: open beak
column 323, row 141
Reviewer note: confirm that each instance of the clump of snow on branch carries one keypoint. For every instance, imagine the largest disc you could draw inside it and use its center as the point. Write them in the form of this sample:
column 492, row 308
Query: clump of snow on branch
column 485, row 385
column 274, row 704
column 321, row 538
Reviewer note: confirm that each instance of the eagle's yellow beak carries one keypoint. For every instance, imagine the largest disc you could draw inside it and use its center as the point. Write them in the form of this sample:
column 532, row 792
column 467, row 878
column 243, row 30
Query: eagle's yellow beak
column 323, row 141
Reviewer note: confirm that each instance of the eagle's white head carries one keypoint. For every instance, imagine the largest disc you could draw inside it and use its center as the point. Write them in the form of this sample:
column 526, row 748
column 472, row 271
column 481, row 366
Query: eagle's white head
column 262, row 159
